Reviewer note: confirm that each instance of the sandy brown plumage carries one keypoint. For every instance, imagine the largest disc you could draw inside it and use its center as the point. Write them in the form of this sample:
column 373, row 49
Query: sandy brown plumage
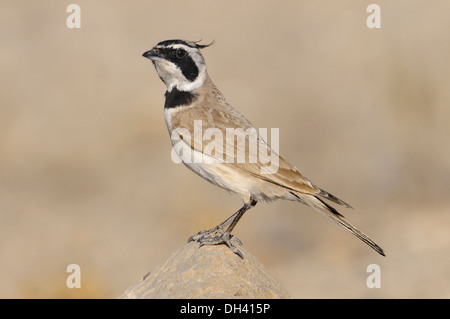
column 200, row 100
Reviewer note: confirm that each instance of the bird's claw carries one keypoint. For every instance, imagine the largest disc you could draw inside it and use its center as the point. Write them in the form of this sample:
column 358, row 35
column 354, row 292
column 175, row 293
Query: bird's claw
column 217, row 236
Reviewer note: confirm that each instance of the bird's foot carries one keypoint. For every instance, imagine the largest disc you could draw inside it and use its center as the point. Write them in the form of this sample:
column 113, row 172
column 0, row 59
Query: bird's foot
column 217, row 236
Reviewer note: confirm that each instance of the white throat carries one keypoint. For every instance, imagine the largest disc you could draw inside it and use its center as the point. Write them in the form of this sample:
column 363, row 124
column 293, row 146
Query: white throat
column 173, row 77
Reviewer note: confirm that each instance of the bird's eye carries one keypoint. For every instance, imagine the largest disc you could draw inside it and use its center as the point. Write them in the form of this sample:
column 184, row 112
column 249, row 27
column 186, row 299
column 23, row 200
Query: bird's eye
column 180, row 53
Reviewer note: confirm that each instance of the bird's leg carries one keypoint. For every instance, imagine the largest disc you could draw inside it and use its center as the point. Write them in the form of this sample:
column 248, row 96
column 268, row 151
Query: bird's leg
column 218, row 235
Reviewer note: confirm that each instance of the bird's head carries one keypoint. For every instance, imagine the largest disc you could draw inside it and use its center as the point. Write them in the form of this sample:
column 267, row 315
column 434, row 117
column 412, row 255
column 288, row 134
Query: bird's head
column 179, row 64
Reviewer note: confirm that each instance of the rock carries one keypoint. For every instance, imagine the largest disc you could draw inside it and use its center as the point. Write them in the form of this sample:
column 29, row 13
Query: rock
column 208, row 272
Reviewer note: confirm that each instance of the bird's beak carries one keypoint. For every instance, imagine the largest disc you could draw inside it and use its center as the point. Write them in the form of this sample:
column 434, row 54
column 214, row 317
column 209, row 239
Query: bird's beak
column 152, row 54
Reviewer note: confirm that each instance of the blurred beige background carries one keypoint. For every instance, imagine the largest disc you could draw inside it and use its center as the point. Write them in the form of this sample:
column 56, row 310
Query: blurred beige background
column 85, row 169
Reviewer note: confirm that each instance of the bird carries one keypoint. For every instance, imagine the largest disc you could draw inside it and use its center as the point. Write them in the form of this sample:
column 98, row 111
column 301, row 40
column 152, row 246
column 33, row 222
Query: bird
column 191, row 97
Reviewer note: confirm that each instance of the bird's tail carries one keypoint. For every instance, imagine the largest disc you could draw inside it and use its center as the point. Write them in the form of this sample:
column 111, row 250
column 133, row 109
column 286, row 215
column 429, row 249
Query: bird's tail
column 329, row 211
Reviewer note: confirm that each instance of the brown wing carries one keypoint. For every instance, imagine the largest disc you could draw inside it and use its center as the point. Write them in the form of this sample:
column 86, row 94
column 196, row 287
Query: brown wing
column 244, row 156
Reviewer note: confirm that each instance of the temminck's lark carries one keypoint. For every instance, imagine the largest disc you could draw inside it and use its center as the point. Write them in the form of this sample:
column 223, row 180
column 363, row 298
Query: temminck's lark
column 192, row 96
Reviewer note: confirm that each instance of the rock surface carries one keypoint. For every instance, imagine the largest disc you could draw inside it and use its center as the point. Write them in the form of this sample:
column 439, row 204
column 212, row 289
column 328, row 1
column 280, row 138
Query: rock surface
column 208, row 272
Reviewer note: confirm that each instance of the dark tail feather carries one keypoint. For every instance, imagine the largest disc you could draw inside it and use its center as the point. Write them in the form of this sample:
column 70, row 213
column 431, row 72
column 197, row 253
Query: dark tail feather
column 333, row 198
column 331, row 212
